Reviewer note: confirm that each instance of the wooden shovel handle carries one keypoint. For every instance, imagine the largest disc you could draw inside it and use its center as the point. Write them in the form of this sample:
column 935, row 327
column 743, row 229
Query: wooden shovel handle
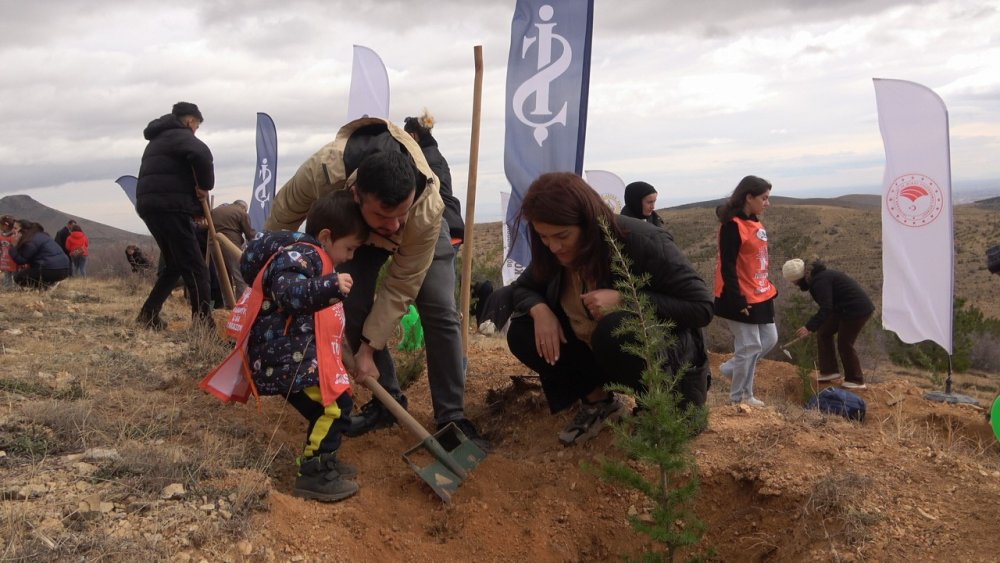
column 396, row 409
column 793, row 341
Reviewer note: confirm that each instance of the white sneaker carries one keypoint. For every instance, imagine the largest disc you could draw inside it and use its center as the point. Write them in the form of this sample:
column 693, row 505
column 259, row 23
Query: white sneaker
column 828, row 377
column 853, row 385
column 754, row 402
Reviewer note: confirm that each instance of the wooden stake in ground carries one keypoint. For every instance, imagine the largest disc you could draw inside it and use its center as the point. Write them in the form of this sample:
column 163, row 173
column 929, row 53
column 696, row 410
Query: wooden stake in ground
column 470, row 197
column 220, row 261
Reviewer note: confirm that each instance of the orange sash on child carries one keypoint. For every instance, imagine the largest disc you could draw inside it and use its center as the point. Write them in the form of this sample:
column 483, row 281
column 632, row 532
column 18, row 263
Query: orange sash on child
column 231, row 380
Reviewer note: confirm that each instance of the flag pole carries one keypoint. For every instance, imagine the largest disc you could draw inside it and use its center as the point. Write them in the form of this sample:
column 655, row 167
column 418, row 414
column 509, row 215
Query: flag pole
column 470, row 197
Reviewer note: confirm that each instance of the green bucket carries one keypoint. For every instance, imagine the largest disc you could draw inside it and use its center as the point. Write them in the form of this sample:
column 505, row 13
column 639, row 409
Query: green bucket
column 995, row 418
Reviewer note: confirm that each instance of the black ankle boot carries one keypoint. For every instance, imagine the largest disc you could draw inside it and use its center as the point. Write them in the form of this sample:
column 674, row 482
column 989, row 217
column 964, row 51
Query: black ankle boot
column 325, row 478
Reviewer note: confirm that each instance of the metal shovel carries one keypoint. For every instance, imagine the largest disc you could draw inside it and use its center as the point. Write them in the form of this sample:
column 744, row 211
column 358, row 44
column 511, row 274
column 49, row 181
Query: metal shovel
column 444, row 470
column 784, row 347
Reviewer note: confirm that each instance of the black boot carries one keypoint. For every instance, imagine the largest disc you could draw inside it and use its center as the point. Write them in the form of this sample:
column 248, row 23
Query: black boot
column 325, row 478
column 150, row 320
column 374, row 416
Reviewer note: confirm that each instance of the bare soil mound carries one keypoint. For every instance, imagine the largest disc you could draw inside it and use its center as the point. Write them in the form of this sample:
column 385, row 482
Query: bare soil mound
column 100, row 422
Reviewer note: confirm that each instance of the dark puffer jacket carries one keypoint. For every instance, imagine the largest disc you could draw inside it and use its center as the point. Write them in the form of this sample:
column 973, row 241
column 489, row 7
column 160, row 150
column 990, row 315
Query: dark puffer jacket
column 282, row 343
column 452, row 207
column 836, row 293
column 41, row 252
column 174, row 163
column 675, row 291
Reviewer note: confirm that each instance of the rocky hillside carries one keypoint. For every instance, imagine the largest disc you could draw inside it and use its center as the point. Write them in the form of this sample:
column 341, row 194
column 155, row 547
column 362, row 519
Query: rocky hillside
column 110, row 452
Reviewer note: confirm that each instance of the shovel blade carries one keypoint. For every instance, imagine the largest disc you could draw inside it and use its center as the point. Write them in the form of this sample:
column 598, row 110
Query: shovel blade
column 787, row 353
column 444, row 469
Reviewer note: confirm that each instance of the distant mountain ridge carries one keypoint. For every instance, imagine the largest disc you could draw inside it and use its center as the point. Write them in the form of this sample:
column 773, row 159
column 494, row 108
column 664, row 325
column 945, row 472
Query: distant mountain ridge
column 850, row 201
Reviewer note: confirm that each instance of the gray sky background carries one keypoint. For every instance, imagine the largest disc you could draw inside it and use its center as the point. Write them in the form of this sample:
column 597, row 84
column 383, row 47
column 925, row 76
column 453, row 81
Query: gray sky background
column 689, row 96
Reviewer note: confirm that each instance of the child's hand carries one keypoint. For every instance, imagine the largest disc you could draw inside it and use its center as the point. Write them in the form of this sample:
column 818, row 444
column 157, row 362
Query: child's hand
column 345, row 281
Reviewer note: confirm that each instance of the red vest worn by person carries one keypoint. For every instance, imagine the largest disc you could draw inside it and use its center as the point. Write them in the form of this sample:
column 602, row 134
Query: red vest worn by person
column 231, row 380
column 751, row 264
column 7, row 241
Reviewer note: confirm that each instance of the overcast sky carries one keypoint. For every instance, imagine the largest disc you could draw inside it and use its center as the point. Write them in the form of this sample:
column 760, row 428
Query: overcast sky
column 689, row 96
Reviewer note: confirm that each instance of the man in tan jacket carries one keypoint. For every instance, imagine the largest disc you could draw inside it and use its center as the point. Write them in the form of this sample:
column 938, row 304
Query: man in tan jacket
column 232, row 221
column 399, row 199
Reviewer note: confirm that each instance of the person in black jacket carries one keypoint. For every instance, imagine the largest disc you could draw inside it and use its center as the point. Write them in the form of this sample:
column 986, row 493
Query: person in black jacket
column 136, row 259
column 567, row 323
column 47, row 263
column 176, row 172
column 420, row 129
column 844, row 308
column 640, row 203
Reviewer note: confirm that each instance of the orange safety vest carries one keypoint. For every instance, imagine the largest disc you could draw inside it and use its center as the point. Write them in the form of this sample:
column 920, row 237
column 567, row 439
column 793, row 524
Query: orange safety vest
column 231, row 380
column 751, row 264
column 7, row 242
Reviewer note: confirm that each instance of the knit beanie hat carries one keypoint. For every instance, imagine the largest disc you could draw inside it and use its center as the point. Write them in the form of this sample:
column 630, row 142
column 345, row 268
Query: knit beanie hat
column 186, row 108
column 794, row 270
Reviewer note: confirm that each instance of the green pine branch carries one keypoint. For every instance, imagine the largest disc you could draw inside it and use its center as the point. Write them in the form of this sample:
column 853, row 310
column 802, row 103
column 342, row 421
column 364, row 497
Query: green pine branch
column 659, row 434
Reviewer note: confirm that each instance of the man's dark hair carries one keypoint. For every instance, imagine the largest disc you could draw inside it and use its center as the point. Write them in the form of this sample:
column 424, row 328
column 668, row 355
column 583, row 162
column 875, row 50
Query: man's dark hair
column 70, row 222
column 338, row 212
column 387, row 175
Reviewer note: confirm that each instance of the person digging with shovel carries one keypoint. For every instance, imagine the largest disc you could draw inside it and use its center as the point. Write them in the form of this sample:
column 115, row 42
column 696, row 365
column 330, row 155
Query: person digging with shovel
column 844, row 308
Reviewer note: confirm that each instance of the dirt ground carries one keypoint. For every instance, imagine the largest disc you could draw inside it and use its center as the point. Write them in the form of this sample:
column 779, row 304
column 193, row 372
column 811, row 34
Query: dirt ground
column 916, row 481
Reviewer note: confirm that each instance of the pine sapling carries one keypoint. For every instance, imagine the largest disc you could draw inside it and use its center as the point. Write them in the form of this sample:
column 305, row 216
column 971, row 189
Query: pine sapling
column 659, row 434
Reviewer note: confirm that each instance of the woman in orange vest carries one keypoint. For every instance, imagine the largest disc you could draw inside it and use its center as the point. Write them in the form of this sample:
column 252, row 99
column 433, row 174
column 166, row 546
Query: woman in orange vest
column 744, row 296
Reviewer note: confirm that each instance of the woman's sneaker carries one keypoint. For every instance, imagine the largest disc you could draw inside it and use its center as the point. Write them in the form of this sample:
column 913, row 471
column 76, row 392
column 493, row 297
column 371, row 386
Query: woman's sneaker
column 853, row 385
column 590, row 419
column 828, row 377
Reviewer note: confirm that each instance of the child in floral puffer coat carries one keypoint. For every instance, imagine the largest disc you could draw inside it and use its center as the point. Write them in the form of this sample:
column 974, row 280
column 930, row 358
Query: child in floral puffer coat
column 293, row 348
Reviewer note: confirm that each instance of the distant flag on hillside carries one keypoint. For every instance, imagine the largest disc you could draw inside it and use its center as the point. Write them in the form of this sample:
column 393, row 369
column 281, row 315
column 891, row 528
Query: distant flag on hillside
column 548, row 78
column 128, row 186
column 610, row 186
column 369, row 86
column 918, row 236
column 265, row 173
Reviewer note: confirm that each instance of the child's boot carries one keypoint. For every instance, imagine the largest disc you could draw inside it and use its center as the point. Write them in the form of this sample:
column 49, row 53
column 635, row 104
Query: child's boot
column 325, row 478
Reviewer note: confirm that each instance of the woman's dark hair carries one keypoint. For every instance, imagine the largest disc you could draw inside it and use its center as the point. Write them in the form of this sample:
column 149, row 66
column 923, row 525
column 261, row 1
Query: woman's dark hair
column 28, row 231
column 749, row 185
column 338, row 212
column 565, row 199
column 76, row 229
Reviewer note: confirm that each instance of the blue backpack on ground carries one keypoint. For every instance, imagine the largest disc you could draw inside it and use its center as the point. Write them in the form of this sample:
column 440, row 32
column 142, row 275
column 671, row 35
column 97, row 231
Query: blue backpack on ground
column 834, row 400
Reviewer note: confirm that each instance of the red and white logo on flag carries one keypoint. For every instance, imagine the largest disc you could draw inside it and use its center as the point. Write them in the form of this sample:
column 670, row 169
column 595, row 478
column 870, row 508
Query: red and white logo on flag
column 914, row 200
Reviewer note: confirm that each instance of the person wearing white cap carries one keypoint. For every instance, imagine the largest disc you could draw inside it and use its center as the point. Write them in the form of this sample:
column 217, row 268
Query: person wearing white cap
column 844, row 308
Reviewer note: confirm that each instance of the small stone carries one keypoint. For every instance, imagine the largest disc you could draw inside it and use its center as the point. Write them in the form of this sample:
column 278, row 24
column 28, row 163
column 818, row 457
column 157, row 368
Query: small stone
column 172, row 491
column 101, row 454
column 245, row 547
column 226, row 515
column 207, row 507
column 632, row 510
column 84, row 468
column 37, row 314
column 106, row 507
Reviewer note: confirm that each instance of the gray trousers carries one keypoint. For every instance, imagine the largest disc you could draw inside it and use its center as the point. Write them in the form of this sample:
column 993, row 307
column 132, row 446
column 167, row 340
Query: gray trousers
column 438, row 314
column 752, row 342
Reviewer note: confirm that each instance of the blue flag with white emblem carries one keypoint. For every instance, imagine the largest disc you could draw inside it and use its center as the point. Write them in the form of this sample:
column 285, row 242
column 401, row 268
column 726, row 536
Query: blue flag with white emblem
column 265, row 173
column 548, row 77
